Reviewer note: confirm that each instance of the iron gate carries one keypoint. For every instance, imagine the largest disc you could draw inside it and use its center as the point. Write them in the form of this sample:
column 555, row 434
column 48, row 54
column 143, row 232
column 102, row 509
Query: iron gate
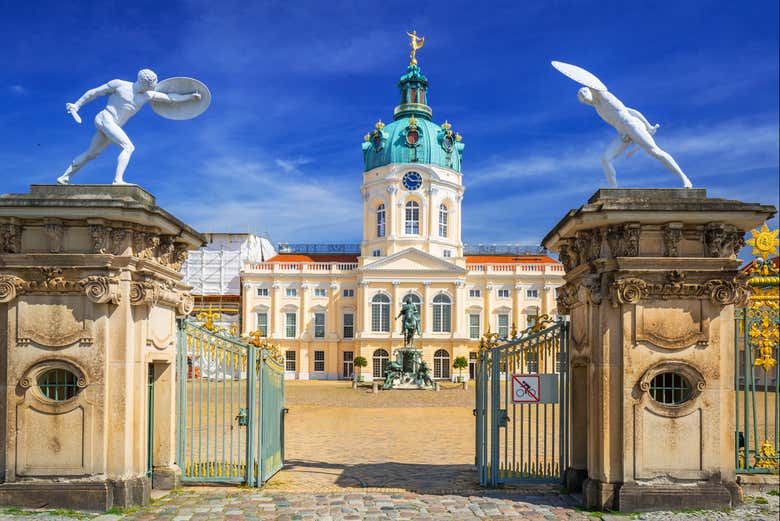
column 230, row 408
column 522, row 406
column 756, row 382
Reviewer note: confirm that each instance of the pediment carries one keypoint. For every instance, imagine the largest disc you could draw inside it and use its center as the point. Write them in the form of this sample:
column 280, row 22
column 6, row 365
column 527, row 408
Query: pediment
column 413, row 260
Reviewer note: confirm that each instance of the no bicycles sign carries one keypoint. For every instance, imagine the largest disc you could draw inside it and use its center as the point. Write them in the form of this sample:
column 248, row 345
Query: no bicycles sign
column 535, row 388
column 525, row 388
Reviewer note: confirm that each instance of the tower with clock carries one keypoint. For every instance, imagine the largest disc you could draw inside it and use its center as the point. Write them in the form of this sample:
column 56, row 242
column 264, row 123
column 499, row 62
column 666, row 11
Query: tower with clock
column 412, row 183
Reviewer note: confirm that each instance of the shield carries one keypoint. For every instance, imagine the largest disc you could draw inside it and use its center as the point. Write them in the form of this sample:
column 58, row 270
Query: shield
column 579, row 75
column 184, row 109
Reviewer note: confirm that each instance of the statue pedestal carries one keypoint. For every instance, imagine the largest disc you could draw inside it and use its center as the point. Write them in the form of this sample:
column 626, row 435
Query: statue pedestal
column 409, row 358
column 652, row 278
column 89, row 292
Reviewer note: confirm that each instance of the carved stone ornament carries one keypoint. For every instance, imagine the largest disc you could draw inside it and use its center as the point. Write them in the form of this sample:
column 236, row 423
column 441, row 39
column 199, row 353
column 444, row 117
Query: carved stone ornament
column 623, row 239
column 165, row 250
column 185, row 305
column 593, row 284
column 117, row 239
column 146, row 292
column 145, row 244
column 99, row 235
column 567, row 257
column 687, row 371
column 722, row 240
column 10, row 238
column 630, row 290
column 10, row 286
column 55, row 232
column 101, row 290
column 567, row 298
column 672, row 236
column 180, row 255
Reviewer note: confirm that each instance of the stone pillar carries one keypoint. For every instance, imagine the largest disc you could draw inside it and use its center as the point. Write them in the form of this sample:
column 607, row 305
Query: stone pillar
column 459, row 311
column 427, row 313
column 652, row 278
column 89, row 292
column 395, row 305
column 276, row 321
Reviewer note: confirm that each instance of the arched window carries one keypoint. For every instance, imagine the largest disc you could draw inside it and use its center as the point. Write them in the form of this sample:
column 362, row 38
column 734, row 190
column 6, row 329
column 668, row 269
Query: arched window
column 442, row 220
column 441, row 364
column 442, row 314
column 380, row 313
column 412, row 218
column 380, row 363
column 380, row 220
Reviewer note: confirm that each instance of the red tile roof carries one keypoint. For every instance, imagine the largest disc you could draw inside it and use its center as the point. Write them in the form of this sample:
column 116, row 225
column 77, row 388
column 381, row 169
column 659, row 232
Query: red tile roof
column 510, row 259
column 297, row 257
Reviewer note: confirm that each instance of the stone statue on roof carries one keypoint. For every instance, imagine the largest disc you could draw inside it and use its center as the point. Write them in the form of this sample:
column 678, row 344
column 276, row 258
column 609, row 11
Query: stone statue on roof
column 631, row 125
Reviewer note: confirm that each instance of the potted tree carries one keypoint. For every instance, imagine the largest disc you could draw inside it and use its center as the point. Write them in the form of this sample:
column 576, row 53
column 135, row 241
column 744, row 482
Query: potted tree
column 359, row 363
column 460, row 363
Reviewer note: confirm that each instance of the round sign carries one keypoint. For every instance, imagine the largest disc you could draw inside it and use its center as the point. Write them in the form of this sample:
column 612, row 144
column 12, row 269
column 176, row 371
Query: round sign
column 182, row 109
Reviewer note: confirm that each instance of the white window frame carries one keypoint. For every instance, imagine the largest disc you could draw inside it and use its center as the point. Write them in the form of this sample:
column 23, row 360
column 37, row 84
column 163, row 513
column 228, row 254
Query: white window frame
column 442, row 313
column 441, row 364
column 319, row 329
column 380, row 220
column 532, row 293
column 348, row 293
column 376, row 252
column 472, row 325
column 347, row 364
column 504, row 327
column 320, row 292
column 443, row 220
column 262, row 292
column 319, row 361
column 447, row 253
column 412, row 218
column 257, row 323
column 287, row 316
column 380, row 313
column 379, row 362
column 290, row 359
column 290, row 292
column 351, row 325
column 503, row 293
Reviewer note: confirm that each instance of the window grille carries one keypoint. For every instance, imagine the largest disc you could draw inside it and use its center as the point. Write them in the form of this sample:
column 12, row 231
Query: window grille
column 289, row 361
column 319, row 325
column 262, row 324
column 441, row 364
column 319, row 361
column 58, row 384
column 503, row 326
column 442, row 314
column 474, row 329
column 443, row 221
column 291, row 326
column 670, row 388
column 349, row 325
column 380, row 363
column 412, row 218
column 380, row 220
column 380, row 313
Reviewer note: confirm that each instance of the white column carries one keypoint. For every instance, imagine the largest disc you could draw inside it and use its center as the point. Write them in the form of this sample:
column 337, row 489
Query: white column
column 246, row 306
column 517, row 312
column 427, row 314
column 391, row 219
column 459, row 311
column 395, row 306
column 360, row 310
column 332, row 312
column 275, row 317
column 487, row 322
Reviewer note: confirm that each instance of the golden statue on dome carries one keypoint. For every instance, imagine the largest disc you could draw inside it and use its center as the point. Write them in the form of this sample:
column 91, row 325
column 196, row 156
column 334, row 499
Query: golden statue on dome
column 416, row 43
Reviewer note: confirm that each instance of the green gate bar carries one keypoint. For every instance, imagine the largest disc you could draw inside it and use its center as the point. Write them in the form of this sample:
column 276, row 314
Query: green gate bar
column 230, row 403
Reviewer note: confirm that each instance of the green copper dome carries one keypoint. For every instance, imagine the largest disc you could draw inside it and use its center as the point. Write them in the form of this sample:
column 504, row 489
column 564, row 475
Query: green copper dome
column 412, row 137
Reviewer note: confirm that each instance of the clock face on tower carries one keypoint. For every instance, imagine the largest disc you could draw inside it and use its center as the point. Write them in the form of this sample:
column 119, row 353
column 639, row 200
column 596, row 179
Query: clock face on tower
column 412, row 180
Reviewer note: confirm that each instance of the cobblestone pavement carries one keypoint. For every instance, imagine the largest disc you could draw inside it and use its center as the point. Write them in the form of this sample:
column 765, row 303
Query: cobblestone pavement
column 354, row 455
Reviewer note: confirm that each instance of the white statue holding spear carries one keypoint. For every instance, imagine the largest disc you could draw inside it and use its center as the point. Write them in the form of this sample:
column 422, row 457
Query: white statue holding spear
column 631, row 125
column 124, row 100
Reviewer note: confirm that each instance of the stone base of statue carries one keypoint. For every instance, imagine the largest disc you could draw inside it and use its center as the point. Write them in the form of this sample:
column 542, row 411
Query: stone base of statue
column 90, row 290
column 408, row 371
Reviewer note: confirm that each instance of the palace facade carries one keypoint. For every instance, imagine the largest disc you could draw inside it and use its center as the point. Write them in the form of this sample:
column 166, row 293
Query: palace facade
column 326, row 309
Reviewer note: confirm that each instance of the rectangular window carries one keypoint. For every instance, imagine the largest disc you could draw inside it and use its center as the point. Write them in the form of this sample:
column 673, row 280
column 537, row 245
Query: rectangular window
column 474, row 329
column 530, row 320
column 262, row 323
column 290, row 325
column 319, row 361
column 262, row 292
column 475, row 293
column 291, row 292
column 503, row 326
column 289, row 361
column 376, row 253
column 320, row 292
column 319, row 325
column 503, row 293
column 348, row 366
column 412, row 222
column 448, row 253
column 532, row 293
column 349, row 325
column 349, row 293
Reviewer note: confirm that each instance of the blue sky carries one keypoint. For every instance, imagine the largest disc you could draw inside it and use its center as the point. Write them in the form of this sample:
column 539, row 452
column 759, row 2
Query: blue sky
column 296, row 85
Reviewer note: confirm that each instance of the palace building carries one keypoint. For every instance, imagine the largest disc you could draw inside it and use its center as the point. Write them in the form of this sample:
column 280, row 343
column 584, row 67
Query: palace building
column 326, row 307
